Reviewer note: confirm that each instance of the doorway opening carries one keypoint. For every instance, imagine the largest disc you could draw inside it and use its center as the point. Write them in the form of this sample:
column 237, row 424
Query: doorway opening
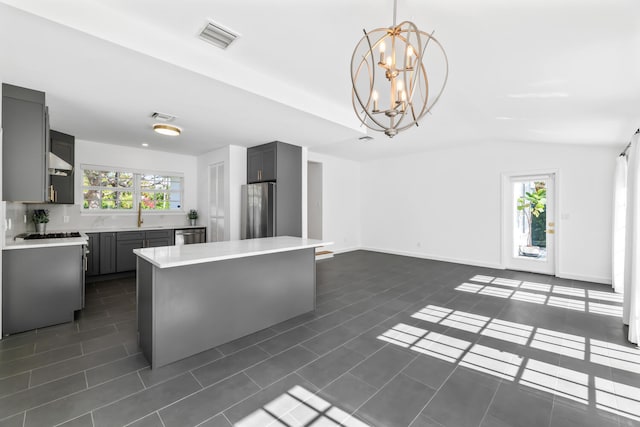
column 314, row 200
column 314, row 207
column 529, row 229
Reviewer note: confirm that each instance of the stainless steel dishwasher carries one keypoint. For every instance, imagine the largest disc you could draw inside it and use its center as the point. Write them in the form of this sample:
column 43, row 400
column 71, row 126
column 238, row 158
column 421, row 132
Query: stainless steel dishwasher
column 188, row 236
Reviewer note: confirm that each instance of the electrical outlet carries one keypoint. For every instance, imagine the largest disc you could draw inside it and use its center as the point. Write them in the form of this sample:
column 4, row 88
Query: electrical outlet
column 65, row 219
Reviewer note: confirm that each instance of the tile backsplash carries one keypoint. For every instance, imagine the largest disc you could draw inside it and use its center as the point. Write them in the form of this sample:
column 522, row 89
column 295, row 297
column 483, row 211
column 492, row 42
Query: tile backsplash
column 69, row 218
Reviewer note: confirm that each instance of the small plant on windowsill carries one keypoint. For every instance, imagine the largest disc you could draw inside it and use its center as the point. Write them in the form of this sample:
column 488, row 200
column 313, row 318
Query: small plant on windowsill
column 193, row 216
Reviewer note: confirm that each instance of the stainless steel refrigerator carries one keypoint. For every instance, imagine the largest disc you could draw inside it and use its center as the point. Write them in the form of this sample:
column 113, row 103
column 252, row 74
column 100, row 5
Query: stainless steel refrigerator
column 258, row 210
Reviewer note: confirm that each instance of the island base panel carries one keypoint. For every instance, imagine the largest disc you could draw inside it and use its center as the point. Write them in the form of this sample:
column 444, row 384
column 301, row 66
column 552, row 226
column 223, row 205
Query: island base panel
column 190, row 309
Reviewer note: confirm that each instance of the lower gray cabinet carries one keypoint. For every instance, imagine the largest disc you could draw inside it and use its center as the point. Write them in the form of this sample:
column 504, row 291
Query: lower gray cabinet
column 93, row 256
column 156, row 238
column 112, row 252
column 107, row 253
column 127, row 241
column 41, row 287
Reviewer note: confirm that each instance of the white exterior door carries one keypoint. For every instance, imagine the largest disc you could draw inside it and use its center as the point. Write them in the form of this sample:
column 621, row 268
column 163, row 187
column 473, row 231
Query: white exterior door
column 529, row 223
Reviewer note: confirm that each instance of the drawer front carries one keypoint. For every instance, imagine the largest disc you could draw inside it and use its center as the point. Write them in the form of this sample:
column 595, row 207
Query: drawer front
column 159, row 234
column 130, row 235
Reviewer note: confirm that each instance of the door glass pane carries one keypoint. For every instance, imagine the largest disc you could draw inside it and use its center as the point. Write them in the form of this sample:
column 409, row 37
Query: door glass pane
column 530, row 217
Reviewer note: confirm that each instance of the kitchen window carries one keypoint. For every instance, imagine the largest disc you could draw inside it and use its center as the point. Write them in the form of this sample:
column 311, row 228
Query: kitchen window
column 123, row 190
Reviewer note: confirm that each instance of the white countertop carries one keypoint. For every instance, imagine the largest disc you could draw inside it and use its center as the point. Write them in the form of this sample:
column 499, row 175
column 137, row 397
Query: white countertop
column 46, row 243
column 176, row 256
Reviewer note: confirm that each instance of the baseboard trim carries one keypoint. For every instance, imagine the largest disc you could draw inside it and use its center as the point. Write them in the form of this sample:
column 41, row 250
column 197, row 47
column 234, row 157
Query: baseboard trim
column 593, row 279
column 497, row 266
column 344, row 250
column 474, row 263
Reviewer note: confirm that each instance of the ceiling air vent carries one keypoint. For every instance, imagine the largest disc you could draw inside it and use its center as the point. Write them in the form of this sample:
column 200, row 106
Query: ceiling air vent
column 218, row 35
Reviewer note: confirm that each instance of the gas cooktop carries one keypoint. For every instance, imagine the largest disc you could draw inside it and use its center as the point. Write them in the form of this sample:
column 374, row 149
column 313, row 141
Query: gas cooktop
column 65, row 235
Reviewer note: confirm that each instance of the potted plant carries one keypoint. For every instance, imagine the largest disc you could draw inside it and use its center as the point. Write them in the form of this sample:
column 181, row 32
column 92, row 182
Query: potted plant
column 40, row 219
column 192, row 215
column 532, row 204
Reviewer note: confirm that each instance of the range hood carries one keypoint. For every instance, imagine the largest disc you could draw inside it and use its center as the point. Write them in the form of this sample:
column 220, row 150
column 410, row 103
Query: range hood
column 57, row 166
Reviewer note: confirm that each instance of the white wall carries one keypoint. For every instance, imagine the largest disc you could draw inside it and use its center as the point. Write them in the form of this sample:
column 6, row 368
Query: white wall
column 341, row 213
column 235, row 175
column 446, row 204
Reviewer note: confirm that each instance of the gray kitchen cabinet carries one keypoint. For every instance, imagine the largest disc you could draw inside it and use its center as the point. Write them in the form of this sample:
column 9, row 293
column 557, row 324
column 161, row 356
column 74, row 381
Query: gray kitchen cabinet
column 25, row 145
column 107, row 253
column 93, row 256
column 262, row 163
column 280, row 163
column 63, row 146
column 41, row 287
column 156, row 238
column 127, row 241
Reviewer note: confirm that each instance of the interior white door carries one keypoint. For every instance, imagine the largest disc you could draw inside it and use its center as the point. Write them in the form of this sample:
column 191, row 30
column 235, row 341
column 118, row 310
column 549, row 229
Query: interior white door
column 216, row 202
column 530, row 233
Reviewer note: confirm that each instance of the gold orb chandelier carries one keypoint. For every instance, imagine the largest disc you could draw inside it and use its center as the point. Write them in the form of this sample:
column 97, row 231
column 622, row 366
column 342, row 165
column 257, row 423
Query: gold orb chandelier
column 391, row 90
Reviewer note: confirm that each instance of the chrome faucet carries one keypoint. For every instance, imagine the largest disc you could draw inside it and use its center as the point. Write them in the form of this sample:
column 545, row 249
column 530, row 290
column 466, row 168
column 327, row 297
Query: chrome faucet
column 140, row 221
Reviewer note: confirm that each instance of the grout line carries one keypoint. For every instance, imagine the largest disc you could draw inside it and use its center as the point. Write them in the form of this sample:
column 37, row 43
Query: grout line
column 161, row 420
column 259, row 386
column 141, row 380
column 194, row 377
column 379, row 389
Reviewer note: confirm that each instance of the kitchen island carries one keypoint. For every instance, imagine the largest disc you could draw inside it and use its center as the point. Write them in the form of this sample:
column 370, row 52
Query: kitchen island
column 196, row 297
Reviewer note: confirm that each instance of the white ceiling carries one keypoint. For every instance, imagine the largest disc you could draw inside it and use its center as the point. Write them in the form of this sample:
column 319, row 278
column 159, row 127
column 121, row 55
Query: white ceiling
column 548, row 71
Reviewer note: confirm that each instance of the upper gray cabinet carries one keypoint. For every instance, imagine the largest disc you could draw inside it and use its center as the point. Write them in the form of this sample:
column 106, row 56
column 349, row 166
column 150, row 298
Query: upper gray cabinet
column 25, row 145
column 262, row 163
column 61, row 188
column 280, row 163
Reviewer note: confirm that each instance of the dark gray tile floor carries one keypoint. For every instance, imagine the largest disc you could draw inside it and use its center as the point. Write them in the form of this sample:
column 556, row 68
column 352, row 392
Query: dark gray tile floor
column 394, row 341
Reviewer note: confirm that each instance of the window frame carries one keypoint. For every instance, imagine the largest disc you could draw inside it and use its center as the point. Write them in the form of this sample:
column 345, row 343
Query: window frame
column 136, row 190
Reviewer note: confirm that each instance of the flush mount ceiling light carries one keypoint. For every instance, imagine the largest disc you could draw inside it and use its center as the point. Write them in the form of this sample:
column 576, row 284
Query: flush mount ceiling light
column 165, row 129
column 393, row 94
